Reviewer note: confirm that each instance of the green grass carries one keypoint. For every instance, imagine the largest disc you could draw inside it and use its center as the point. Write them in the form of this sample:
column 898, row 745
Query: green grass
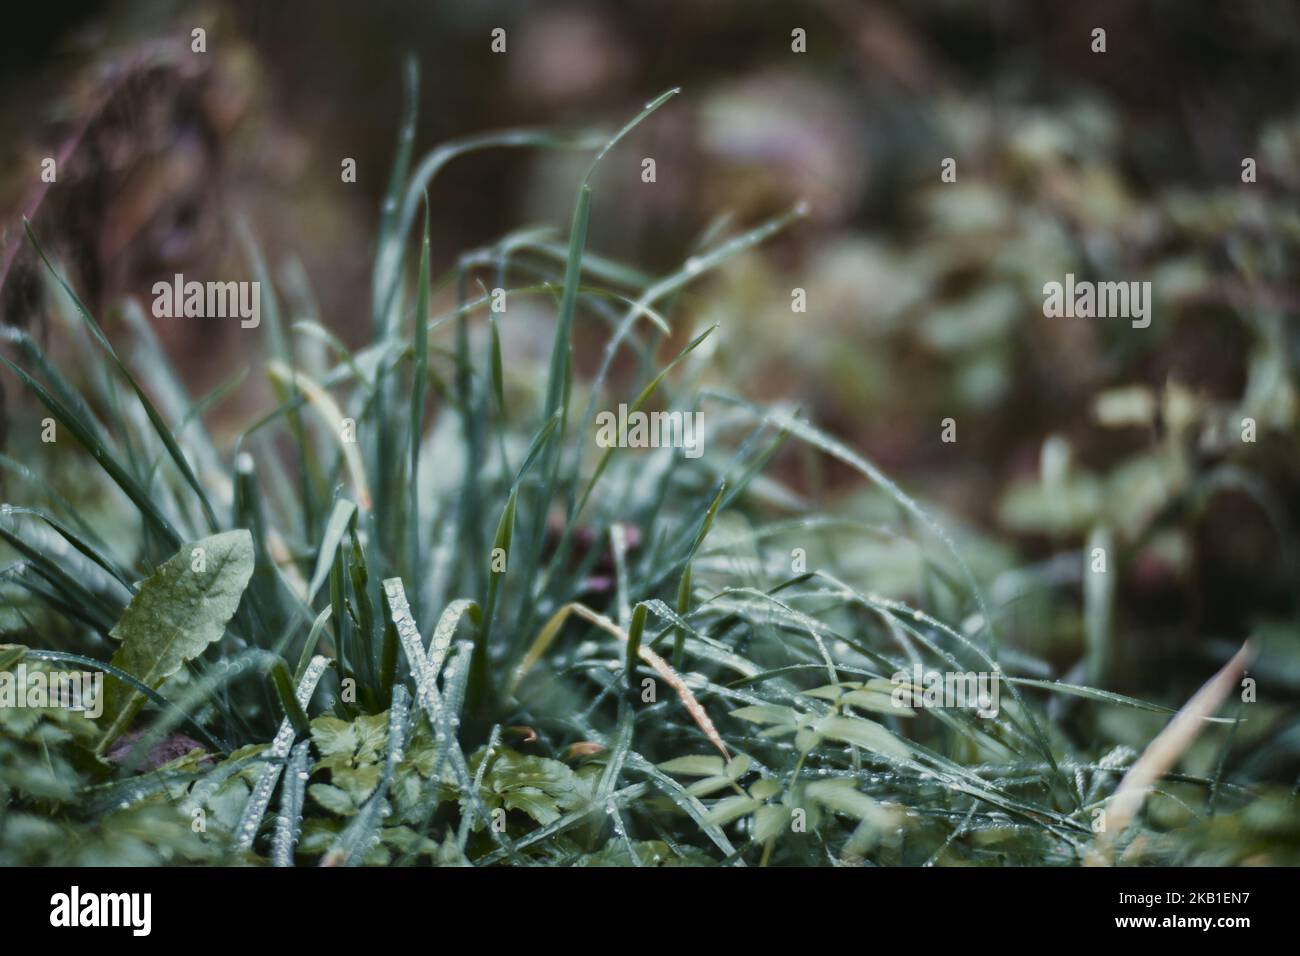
column 385, row 694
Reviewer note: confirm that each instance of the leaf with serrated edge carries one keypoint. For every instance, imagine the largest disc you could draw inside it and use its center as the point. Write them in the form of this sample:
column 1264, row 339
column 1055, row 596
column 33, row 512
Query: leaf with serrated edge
column 175, row 615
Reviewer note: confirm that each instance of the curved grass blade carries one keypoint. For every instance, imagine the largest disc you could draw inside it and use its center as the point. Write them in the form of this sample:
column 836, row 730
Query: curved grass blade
column 1162, row 753
column 333, row 418
column 388, row 260
column 138, row 685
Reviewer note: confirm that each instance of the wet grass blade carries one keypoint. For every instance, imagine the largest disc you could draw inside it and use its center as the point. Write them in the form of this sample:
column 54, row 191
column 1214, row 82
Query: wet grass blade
column 92, row 548
column 136, row 684
column 160, row 426
column 419, row 378
column 87, row 437
column 288, row 821
column 250, row 820
column 637, row 404
column 683, row 609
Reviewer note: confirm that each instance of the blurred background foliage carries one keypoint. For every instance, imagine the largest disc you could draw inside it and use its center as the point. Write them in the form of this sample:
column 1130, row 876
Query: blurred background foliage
column 924, row 298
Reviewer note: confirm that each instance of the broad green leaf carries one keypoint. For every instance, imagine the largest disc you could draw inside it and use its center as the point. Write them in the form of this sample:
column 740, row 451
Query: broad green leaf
column 866, row 734
column 702, row 788
column 764, row 789
column 770, row 821
column 351, row 752
column 695, row 765
column 766, row 714
column 874, row 695
column 179, row 610
column 874, row 700
column 538, row 786
column 731, row 808
column 738, row 766
column 831, row 692
column 805, row 740
column 841, row 796
column 334, row 799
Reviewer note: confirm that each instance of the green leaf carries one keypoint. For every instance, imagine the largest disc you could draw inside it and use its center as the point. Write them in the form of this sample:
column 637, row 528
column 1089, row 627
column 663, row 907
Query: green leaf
column 882, row 703
column 841, row 796
column 339, row 741
column 538, row 786
column 695, row 765
column 764, row 789
column 731, row 808
column 176, row 614
column 766, row 714
column 875, row 695
column 738, row 766
column 866, row 734
column 334, row 799
column 702, row 788
column 770, row 822
column 351, row 752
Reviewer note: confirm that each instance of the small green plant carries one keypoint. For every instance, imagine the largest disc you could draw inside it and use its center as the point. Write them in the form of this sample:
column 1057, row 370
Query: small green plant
column 387, row 629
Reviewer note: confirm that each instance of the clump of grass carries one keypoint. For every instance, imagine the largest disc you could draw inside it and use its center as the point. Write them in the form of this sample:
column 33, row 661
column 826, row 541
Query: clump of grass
column 398, row 649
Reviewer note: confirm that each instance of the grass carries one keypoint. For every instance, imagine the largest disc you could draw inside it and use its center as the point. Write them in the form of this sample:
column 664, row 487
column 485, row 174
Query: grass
column 443, row 645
